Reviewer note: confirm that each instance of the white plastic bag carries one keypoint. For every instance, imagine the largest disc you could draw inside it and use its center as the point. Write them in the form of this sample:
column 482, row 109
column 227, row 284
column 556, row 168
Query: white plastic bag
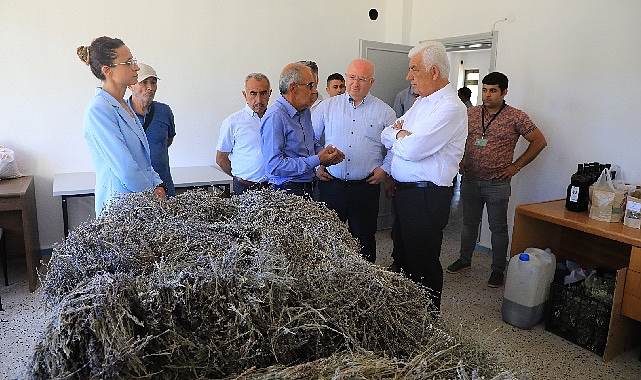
column 8, row 167
column 607, row 202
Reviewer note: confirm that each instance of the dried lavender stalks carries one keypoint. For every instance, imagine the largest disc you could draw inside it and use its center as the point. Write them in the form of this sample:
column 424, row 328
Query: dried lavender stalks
column 206, row 287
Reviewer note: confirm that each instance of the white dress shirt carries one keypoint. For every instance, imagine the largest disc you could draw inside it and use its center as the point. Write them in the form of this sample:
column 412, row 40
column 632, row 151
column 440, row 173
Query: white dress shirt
column 433, row 151
column 240, row 136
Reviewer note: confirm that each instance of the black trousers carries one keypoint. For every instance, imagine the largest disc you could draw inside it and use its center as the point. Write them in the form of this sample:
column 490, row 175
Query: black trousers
column 356, row 204
column 421, row 215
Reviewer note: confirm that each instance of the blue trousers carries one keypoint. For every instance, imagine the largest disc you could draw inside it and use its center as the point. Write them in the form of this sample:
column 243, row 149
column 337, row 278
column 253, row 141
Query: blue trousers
column 495, row 195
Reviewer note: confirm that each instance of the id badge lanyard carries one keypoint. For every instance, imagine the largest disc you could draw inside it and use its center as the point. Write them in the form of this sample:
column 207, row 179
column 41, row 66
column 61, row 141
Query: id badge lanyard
column 483, row 141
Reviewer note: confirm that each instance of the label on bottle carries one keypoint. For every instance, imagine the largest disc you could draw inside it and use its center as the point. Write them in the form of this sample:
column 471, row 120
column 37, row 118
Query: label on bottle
column 574, row 194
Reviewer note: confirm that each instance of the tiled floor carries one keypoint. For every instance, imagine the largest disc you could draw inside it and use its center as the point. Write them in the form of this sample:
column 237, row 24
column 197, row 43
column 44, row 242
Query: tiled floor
column 466, row 301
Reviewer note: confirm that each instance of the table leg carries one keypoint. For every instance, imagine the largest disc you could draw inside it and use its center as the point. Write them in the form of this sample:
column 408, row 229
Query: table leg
column 65, row 215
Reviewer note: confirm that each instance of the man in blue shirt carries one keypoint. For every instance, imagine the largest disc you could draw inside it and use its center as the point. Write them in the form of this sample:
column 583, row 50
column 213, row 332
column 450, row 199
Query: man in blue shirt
column 353, row 122
column 290, row 151
column 404, row 100
column 157, row 120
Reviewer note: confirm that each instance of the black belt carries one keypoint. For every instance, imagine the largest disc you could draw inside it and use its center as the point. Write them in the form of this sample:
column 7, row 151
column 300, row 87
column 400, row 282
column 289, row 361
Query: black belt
column 414, row 185
column 350, row 182
column 252, row 185
column 296, row 184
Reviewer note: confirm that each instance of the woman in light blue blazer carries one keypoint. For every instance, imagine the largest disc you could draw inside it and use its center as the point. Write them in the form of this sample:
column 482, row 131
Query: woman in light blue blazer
column 116, row 140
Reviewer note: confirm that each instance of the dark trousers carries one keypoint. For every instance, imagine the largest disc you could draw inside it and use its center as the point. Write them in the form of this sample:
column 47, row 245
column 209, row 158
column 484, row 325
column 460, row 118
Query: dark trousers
column 296, row 188
column 240, row 186
column 357, row 204
column 421, row 215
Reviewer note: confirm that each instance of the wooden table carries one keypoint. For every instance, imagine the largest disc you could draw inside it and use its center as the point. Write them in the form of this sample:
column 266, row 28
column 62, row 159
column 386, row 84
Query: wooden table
column 82, row 184
column 575, row 236
column 19, row 220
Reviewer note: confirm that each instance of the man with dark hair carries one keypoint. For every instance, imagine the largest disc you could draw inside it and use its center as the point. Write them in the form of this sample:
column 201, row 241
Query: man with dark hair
column 487, row 168
column 335, row 85
column 465, row 94
column 316, row 97
column 290, row 151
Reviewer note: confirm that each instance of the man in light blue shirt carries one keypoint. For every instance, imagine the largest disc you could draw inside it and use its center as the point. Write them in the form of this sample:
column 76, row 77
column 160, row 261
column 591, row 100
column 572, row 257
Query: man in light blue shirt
column 353, row 122
column 404, row 100
column 290, row 151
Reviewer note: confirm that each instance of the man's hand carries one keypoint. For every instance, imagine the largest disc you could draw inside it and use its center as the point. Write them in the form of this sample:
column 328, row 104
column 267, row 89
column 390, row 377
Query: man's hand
column 159, row 191
column 330, row 155
column 398, row 125
column 323, row 174
column 389, row 187
column 461, row 167
column 509, row 172
column 377, row 176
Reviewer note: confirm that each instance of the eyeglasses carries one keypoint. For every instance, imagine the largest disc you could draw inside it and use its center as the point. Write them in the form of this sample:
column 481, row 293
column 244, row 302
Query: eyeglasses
column 355, row 78
column 311, row 85
column 132, row 62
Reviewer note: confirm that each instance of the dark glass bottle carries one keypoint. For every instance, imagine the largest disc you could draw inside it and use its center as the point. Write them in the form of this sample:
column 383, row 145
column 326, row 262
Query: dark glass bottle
column 577, row 193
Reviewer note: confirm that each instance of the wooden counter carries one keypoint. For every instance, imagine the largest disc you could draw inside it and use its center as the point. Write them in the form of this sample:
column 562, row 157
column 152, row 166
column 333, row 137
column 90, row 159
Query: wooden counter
column 591, row 243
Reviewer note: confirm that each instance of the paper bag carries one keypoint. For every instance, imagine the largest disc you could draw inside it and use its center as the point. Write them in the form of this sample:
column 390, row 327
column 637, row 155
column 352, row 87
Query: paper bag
column 632, row 216
column 607, row 202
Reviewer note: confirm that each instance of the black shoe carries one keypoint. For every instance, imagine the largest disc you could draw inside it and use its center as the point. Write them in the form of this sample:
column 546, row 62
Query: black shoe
column 458, row 266
column 496, row 279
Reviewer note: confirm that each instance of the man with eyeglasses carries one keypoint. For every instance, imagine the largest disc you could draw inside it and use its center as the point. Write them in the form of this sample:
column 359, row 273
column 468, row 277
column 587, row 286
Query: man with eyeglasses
column 157, row 120
column 238, row 152
column 290, row 151
column 353, row 122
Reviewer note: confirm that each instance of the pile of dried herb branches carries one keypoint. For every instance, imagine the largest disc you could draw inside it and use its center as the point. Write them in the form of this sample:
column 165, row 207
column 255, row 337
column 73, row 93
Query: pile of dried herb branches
column 264, row 285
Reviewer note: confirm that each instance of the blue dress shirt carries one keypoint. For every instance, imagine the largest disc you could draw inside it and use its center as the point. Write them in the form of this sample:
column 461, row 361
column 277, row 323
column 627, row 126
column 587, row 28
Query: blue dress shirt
column 356, row 131
column 289, row 147
column 162, row 127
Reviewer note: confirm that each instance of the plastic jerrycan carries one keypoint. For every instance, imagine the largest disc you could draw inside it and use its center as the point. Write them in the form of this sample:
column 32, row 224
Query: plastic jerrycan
column 527, row 287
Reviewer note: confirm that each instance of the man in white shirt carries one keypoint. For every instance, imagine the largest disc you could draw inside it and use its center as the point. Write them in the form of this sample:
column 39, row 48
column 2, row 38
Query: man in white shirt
column 427, row 144
column 239, row 143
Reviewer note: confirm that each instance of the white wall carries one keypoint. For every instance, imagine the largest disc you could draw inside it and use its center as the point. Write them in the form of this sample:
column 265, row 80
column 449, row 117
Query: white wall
column 201, row 49
column 572, row 68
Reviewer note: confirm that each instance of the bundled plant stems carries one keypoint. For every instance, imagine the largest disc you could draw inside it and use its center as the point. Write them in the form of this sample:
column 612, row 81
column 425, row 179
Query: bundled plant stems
column 263, row 285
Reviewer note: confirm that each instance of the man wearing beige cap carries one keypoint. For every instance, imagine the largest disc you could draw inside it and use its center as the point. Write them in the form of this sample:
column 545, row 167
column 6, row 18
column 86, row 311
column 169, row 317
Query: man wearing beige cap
column 157, row 120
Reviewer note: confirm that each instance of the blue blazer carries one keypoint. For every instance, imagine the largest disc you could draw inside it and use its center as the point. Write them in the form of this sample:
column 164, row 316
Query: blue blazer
column 119, row 150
